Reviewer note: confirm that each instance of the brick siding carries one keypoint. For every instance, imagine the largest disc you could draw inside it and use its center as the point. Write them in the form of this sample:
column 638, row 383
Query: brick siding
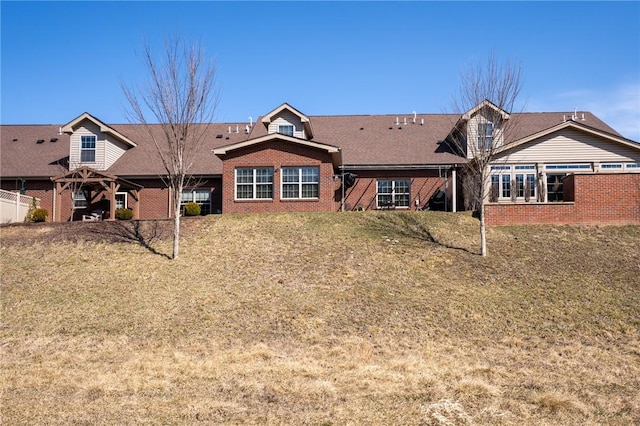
column 590, row 198
column 278, row 154
column 363, row 193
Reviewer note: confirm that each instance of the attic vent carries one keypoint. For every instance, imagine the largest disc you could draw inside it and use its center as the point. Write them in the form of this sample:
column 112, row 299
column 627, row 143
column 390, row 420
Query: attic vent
column 218, row 136
column 40, row 141
column 15, row 139
column 54, row 140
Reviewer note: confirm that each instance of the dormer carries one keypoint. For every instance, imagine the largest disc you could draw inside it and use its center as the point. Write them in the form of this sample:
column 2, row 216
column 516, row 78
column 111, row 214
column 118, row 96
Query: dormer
column 94, row 144
column 288, row 121
column 484, row 127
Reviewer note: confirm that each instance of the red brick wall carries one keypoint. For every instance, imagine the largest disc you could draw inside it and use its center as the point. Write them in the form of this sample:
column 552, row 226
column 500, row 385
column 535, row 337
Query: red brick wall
column 607, row 197
column 278, row 154
column 598, row 198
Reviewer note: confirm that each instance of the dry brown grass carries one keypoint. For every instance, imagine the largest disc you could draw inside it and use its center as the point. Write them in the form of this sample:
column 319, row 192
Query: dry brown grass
column 355, row 318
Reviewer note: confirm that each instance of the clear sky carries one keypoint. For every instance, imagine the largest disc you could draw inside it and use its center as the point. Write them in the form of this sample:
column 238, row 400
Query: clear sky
column 60, row 59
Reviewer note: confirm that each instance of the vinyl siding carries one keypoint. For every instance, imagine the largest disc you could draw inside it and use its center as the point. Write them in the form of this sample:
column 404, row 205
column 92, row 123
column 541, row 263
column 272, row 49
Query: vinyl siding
column 87, row 128
column 569, row 145
column 288, row 118
column 113, row 151
column 108, row 149
column 472, row 132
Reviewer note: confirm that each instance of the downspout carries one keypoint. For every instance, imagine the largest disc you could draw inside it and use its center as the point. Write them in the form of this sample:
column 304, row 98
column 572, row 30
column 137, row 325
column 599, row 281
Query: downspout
column 454, row 191
column 55, row 198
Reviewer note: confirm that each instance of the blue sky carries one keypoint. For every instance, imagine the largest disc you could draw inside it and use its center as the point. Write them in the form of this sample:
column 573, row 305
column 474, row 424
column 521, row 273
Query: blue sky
column 60, row 59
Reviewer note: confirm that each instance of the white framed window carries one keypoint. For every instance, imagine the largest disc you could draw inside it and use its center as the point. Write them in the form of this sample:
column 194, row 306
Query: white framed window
column 300, row 183
column 517, row 182
column 121, row 200
column 254, row 183
column 79, row 200
column 88, row 149
column 632, row 166
column 611, row 166
column 577, row 166
column 286, row 129
column 393, row 193
column 201, row 197
column 485, row 136
column 555, row 187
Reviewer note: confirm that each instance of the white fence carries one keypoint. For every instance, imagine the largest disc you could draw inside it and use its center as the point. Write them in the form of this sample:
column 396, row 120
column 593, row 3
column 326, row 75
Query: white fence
column 14, row 207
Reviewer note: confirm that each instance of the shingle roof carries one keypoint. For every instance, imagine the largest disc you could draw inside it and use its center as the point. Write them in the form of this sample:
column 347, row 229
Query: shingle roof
column 365, row 140
column 22, row 156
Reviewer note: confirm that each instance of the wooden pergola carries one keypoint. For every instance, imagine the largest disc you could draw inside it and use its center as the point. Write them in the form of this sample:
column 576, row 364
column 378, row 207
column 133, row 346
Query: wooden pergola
column 94, row 184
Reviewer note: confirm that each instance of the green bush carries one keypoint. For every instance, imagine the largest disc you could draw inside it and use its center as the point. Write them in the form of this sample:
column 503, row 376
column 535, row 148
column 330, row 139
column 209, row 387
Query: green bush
column 39, row 215
column 124, row 214
column 192, row 209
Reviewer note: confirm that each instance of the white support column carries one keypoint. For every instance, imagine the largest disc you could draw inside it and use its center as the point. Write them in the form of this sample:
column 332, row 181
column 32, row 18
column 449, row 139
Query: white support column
column 454, row 191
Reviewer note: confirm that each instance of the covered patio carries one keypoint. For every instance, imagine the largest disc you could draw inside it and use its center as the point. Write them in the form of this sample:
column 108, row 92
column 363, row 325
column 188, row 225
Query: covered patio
column 97, row 187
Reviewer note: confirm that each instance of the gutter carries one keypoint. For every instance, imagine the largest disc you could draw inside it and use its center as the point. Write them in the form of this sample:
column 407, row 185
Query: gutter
column 399, row 167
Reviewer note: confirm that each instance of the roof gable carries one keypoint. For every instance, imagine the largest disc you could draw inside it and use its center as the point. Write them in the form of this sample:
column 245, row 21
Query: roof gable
column 482, row 105
column 306, row 122
column 333, row 150
column 70, row 127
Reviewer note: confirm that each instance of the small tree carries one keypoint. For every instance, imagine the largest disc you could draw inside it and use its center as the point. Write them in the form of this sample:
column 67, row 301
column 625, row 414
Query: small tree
column 180, row 97
column 493, row 88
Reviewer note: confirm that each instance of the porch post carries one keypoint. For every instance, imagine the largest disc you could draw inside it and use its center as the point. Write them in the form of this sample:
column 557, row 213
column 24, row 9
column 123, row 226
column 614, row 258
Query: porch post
column 112, row 200
column 454, row 191
column 57, row 210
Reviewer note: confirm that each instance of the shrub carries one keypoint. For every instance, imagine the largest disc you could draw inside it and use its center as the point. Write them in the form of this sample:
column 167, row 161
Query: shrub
column 39, row 215
column 124, row 214
column 192, row 209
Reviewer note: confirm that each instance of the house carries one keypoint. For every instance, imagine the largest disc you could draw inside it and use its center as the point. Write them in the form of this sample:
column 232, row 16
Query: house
column 289, row 161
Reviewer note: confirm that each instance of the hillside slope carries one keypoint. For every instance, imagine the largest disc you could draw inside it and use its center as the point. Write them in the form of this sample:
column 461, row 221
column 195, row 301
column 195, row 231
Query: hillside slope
column 351, row 318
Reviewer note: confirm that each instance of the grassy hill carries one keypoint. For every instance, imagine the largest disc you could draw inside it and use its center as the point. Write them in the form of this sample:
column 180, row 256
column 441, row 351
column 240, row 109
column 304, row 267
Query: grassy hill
column 321, row 319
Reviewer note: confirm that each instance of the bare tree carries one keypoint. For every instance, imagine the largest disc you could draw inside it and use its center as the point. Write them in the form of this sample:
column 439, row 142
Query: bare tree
column 486, row 99
column 180, row 97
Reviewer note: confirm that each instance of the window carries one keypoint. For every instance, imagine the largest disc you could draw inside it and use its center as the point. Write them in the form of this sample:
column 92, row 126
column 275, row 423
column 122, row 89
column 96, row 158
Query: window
column 583, row 166
column 286, row 129
column 121, row 200
column 393, row 193
column 485, row 135
column 88, row 149
column 517, row 182
column 254, row 184
column 610, row 166
column 632, row 166
column 79, row 200
column 300, row 182
column 555, row 187
column 201, row 197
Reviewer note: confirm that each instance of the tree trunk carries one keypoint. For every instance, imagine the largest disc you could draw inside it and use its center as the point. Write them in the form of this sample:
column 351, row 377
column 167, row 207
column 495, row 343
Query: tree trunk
column 176, row 223
column 483, row 231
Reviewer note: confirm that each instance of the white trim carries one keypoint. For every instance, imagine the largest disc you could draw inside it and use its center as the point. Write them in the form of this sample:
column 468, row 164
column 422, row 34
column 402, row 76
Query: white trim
column 69, row 127
column 253, row 184
column 274, row 136
column 126, row 199
column 299, row 183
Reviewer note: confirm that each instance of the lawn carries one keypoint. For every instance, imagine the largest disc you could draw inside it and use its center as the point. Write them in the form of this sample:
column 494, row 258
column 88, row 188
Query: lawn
column 321, row 319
